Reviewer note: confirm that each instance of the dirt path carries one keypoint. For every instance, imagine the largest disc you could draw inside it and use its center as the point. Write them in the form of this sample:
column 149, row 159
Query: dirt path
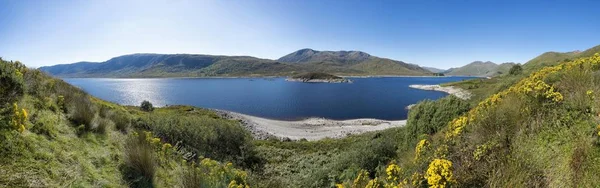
column 309, row 129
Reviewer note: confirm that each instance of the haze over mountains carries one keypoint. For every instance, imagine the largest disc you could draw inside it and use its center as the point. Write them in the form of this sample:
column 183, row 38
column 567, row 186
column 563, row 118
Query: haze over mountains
column 191, row 65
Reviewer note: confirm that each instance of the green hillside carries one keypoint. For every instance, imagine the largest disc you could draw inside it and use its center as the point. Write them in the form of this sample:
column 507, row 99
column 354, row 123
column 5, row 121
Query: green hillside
column 553, row 58
column 55, row 135
column 479, row 68
column 192, row 65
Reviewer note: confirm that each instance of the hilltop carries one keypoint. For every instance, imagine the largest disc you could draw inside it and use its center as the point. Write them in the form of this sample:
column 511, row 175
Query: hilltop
column 553, row 58
column 480, row 68
column 194, row 65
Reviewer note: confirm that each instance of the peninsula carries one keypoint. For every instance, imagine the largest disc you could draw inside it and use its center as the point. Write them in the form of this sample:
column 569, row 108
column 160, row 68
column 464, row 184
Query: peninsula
column 318, row 77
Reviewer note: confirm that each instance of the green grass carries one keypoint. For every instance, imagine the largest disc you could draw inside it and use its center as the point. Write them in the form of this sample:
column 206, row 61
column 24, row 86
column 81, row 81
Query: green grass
column 74, row 140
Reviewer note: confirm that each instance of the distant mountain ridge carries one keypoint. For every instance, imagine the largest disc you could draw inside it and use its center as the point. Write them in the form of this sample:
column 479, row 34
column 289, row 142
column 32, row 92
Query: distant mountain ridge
column 196, row 65
column 309, row 55
column 480, row 68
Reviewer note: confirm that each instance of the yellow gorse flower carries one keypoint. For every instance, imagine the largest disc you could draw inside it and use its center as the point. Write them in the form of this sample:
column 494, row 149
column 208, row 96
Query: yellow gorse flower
column 393, row 172
column 439, row 174
column 18, row 118
column 361, row 180
column 374, row 183
column 421, row 146
column 532, row 86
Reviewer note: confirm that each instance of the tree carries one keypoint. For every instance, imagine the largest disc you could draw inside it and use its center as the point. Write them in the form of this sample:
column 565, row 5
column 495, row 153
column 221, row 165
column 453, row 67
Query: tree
column 147, row 106
column 515, row 70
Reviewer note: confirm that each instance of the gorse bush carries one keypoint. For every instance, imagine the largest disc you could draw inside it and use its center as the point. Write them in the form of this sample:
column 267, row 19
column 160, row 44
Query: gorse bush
column 540, row 132
column 211, row 173
column 18, row 118
column 11, row 82
column 428, row 117
column 439, row 173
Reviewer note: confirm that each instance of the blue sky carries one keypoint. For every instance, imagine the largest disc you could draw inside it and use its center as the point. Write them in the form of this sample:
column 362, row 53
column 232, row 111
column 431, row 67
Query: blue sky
column 441, row 34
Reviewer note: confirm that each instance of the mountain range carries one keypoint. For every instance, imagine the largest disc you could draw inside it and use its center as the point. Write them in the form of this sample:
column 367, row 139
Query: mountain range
column 193, row 65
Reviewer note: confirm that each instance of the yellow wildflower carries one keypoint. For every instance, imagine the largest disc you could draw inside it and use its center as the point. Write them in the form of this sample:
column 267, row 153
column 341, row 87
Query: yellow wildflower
column 166, row 146
column 24, row 113
column 361, row 180
column 393, row 172
column 439, row 173
column 374, row 183
column 421, row 146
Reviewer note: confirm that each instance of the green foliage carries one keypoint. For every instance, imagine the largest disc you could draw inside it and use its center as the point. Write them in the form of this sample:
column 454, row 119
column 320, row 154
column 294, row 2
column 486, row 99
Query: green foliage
column 140, row 160
column 515, row 70
column 428, row 117
column 211, row 173
column 146, row 106
column 11, row 82
column 82, row 111
column 59, row 147
column 122, row 121
column 203, row 133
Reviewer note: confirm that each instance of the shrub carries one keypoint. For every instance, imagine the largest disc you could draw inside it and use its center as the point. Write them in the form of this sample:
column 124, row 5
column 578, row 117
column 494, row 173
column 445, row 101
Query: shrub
column 122, row 121
column 428, row 117
column 46, row 124
column 439, row 173
column 11, row 82
column 102, row 124
column 206, row 136
column 140, row 160
column 146, row 106
column 82, row 111
column 515, row 69
column 211, row 173
column 18, row 118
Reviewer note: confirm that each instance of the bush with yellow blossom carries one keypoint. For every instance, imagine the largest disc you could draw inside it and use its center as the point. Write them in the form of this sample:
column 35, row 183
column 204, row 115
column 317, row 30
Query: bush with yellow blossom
column 439, row 173
column 18, row 118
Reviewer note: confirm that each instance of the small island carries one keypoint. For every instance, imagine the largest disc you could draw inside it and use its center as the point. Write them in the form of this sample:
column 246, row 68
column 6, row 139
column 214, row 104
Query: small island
column 318, row 77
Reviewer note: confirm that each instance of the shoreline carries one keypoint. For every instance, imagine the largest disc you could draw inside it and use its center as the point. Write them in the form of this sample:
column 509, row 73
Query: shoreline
column 333, row 81
column 458, row 92
column 309, row 129
column 267, row 77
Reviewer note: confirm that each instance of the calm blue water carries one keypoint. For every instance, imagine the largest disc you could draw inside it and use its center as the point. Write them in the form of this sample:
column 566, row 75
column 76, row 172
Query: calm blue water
column 381, row 98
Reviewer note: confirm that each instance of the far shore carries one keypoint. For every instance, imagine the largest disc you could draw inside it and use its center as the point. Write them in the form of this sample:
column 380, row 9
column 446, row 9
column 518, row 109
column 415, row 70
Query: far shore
column 259, row 77
column 309, row 129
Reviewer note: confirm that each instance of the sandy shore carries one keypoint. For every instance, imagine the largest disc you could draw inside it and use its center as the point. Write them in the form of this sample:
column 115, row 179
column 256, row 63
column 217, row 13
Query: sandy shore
column 309, row 129
column 458, row 92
